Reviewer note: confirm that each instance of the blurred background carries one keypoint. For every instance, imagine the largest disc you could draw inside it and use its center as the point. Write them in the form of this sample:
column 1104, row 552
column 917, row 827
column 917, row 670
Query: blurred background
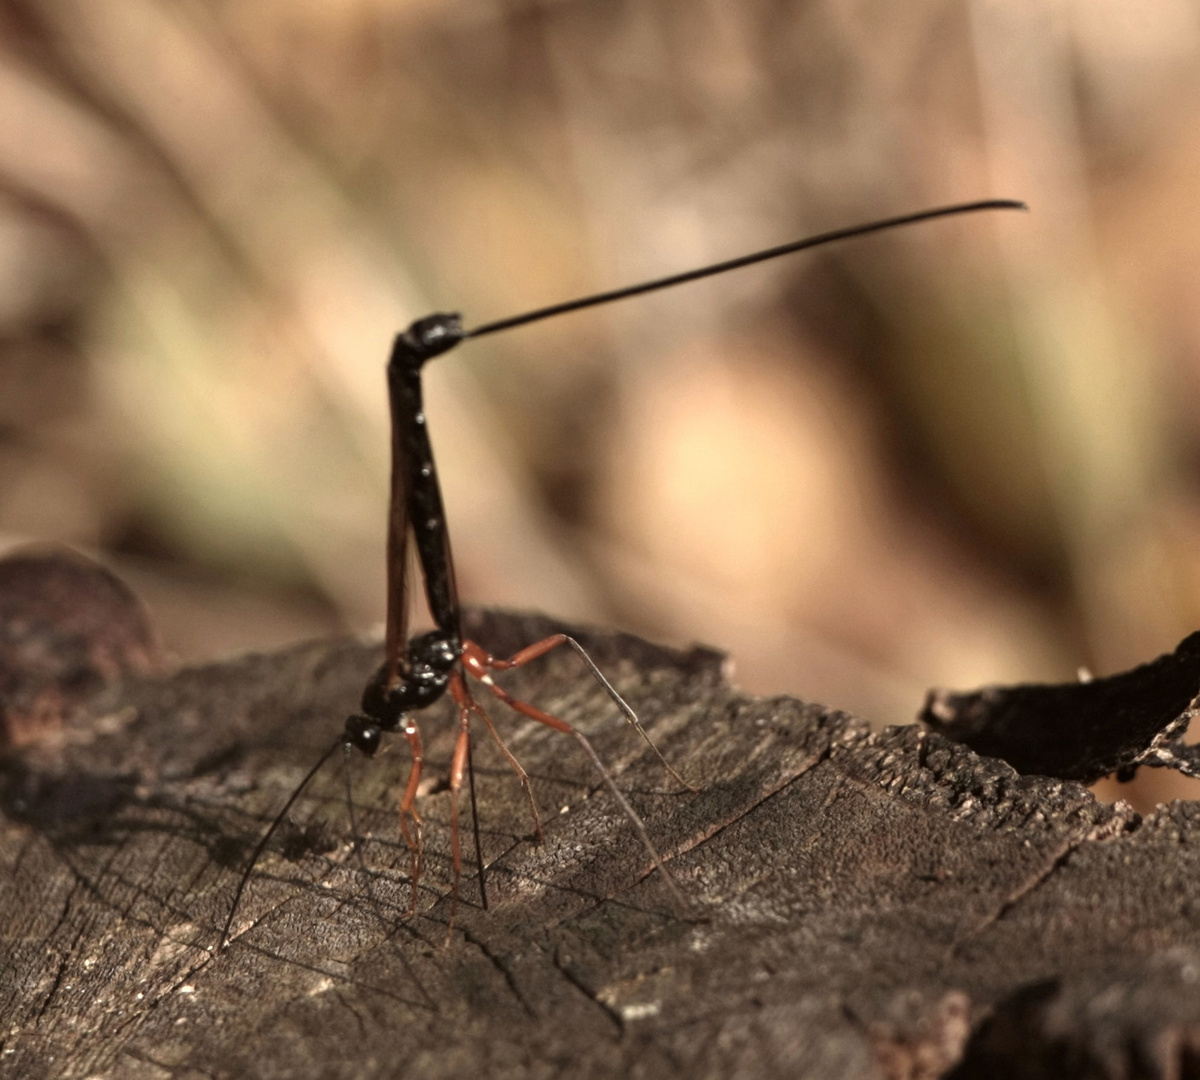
column 961, row 453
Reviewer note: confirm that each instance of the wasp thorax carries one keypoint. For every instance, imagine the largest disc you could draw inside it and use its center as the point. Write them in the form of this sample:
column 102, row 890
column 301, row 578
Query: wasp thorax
column 388, row 696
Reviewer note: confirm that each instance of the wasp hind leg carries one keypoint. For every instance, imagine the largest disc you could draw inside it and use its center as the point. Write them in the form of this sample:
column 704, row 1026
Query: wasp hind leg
column 480, row 664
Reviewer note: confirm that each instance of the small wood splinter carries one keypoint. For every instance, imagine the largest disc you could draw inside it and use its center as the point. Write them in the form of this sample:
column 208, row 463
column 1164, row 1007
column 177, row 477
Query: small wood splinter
column 416, row 673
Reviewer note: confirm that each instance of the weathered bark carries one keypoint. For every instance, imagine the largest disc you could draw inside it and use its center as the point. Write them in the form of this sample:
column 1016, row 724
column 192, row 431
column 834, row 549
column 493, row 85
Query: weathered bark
column 863, row 905
column 1082, row 730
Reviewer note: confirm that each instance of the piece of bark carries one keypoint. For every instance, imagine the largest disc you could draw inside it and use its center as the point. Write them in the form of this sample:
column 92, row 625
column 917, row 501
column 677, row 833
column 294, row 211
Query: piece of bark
column 864, row 905
column 1082, row 730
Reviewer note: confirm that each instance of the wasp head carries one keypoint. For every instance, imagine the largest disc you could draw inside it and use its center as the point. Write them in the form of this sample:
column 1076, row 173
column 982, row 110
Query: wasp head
column 363, row 733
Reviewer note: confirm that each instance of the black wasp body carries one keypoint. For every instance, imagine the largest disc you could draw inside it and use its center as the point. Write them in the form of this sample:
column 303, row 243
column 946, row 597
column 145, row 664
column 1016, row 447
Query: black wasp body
column 414, row 674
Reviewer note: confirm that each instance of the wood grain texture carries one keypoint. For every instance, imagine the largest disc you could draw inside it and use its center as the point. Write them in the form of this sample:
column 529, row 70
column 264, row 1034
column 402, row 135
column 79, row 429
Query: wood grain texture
column 864, row 905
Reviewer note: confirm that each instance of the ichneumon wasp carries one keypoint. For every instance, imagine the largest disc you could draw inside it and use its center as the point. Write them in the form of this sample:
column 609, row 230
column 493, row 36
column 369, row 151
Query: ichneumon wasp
column 416, row 673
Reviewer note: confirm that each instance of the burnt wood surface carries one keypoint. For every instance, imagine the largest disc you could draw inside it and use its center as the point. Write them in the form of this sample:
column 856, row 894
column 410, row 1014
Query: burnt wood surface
column 862, row 904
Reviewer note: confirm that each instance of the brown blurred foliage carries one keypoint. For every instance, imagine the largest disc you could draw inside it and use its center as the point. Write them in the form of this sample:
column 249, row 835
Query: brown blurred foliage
column 955, row 454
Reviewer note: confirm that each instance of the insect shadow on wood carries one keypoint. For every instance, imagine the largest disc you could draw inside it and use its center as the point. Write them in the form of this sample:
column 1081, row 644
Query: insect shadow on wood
column 418, row 672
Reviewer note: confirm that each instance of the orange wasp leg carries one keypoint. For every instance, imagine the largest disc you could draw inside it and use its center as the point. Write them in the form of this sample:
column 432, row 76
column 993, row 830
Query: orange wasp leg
column 458, row 767
column 479, row 663
column 469, row 702
column 408, row 812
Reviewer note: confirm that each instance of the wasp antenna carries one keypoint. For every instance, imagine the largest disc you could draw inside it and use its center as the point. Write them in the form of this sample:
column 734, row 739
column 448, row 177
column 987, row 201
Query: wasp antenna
column 261, row 846
column 743, row 260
